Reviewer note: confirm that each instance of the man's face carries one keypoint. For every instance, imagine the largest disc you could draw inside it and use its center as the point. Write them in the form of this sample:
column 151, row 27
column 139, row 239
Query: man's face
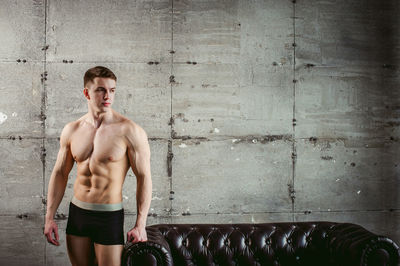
column 100, row 93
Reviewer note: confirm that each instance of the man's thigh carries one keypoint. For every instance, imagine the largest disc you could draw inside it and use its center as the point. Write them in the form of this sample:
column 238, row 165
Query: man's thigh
column 108, row 254
column 80, row 250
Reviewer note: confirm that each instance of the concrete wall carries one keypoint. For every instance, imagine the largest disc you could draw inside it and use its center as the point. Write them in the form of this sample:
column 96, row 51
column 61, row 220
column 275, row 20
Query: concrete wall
column 257, row 111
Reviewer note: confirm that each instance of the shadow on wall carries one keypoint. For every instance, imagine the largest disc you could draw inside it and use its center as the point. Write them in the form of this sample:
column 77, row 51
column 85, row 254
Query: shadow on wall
column 379, row 47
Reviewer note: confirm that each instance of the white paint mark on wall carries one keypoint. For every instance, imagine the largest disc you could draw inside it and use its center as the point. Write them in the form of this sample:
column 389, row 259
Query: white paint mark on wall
column 337, row 180
column 156, row 198
column 232, row 148
column 235, row 140
column 183, row 145
column 14, row 114
column 252, row 219
column 125, row 197
column 216, row 130
column 358, row 192
column 3, row 118
column 237, row 159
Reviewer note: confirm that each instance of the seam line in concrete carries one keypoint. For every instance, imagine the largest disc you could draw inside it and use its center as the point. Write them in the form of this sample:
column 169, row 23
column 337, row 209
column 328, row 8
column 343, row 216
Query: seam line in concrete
column 43, row 118
column 227, row 213
column 170, row 151
column 293, row 191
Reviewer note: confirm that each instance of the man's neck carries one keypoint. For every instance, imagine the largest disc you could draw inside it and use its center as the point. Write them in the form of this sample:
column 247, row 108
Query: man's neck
column 98, row 118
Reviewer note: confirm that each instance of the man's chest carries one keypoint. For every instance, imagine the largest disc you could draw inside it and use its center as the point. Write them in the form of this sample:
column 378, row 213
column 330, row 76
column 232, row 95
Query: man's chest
column 102, row 145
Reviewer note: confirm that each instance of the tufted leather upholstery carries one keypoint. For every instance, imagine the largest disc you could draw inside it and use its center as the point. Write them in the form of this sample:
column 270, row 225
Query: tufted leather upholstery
column 303, row 243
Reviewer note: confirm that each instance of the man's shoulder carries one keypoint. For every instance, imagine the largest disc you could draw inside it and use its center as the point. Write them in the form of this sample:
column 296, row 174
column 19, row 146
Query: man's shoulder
column 68, row 130
column 132, row 130
column 72, row 125
column 132, row 127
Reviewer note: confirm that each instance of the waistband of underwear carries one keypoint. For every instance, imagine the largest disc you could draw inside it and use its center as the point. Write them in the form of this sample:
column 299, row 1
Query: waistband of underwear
column 97, row 206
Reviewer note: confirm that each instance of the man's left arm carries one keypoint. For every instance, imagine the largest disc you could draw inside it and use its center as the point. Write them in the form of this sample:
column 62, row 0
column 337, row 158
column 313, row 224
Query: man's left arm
column 139, row 159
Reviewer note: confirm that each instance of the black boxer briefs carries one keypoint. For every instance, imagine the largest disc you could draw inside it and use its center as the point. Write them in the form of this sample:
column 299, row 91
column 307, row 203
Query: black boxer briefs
column 103, row 227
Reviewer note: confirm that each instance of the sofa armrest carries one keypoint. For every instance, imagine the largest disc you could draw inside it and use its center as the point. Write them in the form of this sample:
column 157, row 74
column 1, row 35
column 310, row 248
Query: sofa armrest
column 155, row 251
column 351, row 244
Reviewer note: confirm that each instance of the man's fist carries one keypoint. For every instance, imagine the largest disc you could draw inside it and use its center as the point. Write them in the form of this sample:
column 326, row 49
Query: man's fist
column 51, row 228
column 137, row 234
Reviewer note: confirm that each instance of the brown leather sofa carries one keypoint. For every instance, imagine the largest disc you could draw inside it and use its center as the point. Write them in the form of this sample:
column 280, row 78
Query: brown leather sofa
column 302, row 243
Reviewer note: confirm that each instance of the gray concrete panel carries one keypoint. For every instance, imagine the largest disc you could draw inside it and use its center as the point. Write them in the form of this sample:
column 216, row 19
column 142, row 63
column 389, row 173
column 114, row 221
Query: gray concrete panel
column 21, row 176
column 230, row 176
column 22, row 30
column 232, row 31
column 391, row 102
column 109, row 31
column 206, row 31
column 142, row 95
column 21, row 99
column 208, row 102
column 345, row 175
column 348, row 32
column 345, row 52
column 379, row 222
column 232, row 82
column 266, row 37
column 232, row 218
column 22, row 240
column 342, row 102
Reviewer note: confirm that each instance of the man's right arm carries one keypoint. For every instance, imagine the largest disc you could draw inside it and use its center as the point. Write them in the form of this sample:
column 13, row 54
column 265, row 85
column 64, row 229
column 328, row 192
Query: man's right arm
column 58, row 182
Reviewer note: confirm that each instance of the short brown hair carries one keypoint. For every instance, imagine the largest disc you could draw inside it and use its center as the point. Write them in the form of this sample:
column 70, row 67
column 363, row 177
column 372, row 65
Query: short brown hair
column 98, row 72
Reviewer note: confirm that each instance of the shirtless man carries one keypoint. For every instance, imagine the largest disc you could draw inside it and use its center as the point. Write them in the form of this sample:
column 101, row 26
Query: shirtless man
column 104, row 144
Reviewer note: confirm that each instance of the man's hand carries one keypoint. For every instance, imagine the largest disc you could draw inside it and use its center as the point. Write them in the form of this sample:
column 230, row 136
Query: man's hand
column 51, row 228
column 137, row 234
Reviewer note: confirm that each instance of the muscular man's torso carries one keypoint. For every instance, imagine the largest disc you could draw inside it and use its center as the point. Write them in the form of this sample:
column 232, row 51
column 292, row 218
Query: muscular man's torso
column 102, row 160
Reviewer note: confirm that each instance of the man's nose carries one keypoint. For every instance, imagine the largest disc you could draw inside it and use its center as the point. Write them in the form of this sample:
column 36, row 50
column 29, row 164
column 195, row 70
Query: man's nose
column 106, row 95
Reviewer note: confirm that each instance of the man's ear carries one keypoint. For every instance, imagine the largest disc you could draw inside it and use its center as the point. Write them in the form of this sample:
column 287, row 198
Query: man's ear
column 86, row 93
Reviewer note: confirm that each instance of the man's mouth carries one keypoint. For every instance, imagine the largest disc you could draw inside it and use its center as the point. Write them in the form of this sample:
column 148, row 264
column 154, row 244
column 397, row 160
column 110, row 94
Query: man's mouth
column 106, row 104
